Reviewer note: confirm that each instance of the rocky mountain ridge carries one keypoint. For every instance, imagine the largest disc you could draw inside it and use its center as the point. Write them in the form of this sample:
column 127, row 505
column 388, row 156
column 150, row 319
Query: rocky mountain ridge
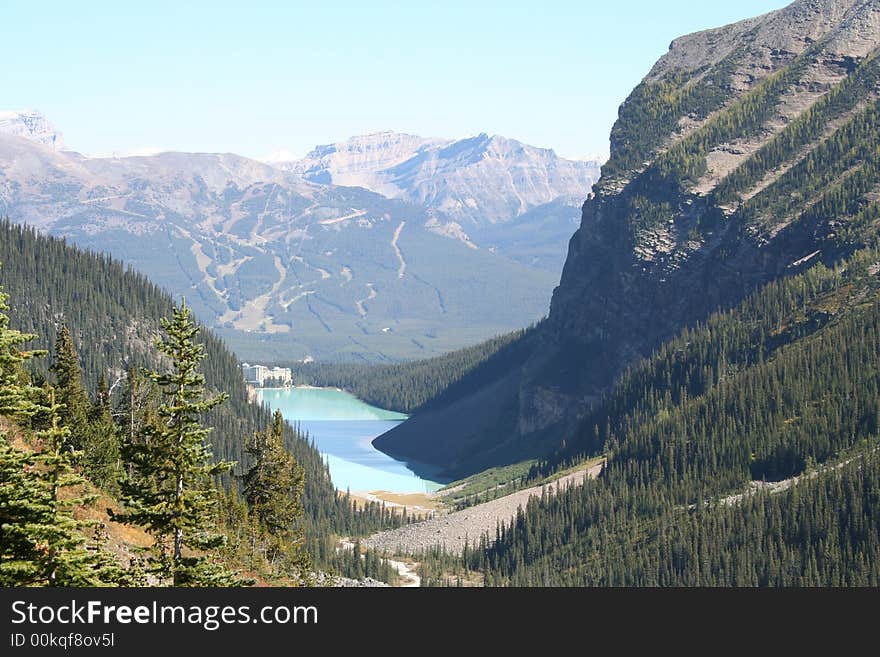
column 749, row 152
column 464, row 184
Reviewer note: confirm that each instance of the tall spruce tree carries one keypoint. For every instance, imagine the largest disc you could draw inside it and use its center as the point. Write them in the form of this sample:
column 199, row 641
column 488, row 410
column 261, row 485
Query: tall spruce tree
column 21, row 498
column 20, row 489
column 170, row 490
column 65, row 558
column 16, row 393
column 43, row 544
column 69, row 389
column 273, row 489
column 101, row 457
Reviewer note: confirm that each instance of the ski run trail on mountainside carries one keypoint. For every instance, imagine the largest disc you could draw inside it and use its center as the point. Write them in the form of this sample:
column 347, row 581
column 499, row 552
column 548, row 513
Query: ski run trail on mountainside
column 402, row 269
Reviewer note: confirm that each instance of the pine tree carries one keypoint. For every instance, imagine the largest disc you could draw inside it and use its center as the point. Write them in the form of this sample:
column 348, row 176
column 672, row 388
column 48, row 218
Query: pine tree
column 69, row 389
column 20, row 490
column 22, row 500
column 101, row 457
column 43, row 544
column 273, row 489
column 65, row 559
column 16, row 393
column 170, row 491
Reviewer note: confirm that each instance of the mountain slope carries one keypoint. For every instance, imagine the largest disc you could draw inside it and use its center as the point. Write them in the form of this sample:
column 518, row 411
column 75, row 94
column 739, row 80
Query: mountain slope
column 313, row 270
column 749, row 153
column 742, row 453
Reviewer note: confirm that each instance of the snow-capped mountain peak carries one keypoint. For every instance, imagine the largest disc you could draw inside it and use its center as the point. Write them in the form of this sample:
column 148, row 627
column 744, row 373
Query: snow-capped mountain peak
column 31, row 125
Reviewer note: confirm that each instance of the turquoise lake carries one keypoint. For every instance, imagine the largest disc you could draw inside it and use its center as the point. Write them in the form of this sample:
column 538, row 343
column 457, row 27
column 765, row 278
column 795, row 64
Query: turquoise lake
column 343, row 427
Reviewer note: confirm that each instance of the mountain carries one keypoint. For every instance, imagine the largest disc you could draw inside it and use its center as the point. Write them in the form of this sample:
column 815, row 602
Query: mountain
column 31, row 125
column 361, row 161
column 748, row 154
column 464, row 184
column 282, row 267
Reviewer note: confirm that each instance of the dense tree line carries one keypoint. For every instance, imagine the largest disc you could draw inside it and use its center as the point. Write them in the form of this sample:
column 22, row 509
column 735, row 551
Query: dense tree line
column 786, row 384
column 729, row 344
column 821, row 532
column 404, row 387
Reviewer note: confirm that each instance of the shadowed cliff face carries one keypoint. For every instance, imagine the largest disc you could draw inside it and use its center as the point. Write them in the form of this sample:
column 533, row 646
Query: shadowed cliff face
column 748, row 153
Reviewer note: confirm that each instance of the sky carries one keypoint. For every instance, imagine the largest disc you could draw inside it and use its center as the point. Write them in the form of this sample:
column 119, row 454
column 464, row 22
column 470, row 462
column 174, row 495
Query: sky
column 258, row 77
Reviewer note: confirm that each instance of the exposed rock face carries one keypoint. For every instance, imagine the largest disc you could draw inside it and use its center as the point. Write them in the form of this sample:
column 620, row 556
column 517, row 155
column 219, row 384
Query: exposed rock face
column 636, row 282
column 360, row 161
column 31, row 125
column 474, row 181
column 686, row 218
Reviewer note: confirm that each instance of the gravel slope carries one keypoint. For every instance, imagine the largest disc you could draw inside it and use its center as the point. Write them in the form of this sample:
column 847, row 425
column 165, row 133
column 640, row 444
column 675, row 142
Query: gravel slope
column 451, row 530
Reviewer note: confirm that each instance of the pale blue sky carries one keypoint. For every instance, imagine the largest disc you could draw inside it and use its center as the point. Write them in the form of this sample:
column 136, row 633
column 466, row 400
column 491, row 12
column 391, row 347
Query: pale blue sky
column 255, row 77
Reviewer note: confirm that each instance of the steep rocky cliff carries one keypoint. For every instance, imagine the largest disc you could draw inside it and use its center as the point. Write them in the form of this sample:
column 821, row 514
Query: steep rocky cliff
column 748, row 152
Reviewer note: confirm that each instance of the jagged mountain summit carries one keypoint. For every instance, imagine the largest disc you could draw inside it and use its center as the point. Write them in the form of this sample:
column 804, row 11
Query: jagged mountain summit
column 748, row 153
column 467, row 185
column 31, row 125
column 360, row 161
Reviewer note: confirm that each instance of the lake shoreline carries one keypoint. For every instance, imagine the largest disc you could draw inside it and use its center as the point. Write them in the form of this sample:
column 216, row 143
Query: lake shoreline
column 343, row 428
column 304, row 386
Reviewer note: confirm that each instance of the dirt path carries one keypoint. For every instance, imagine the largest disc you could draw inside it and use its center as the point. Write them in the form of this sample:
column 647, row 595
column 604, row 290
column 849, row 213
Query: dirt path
column 408, row 576
column 452, row 530
column 774, row 487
